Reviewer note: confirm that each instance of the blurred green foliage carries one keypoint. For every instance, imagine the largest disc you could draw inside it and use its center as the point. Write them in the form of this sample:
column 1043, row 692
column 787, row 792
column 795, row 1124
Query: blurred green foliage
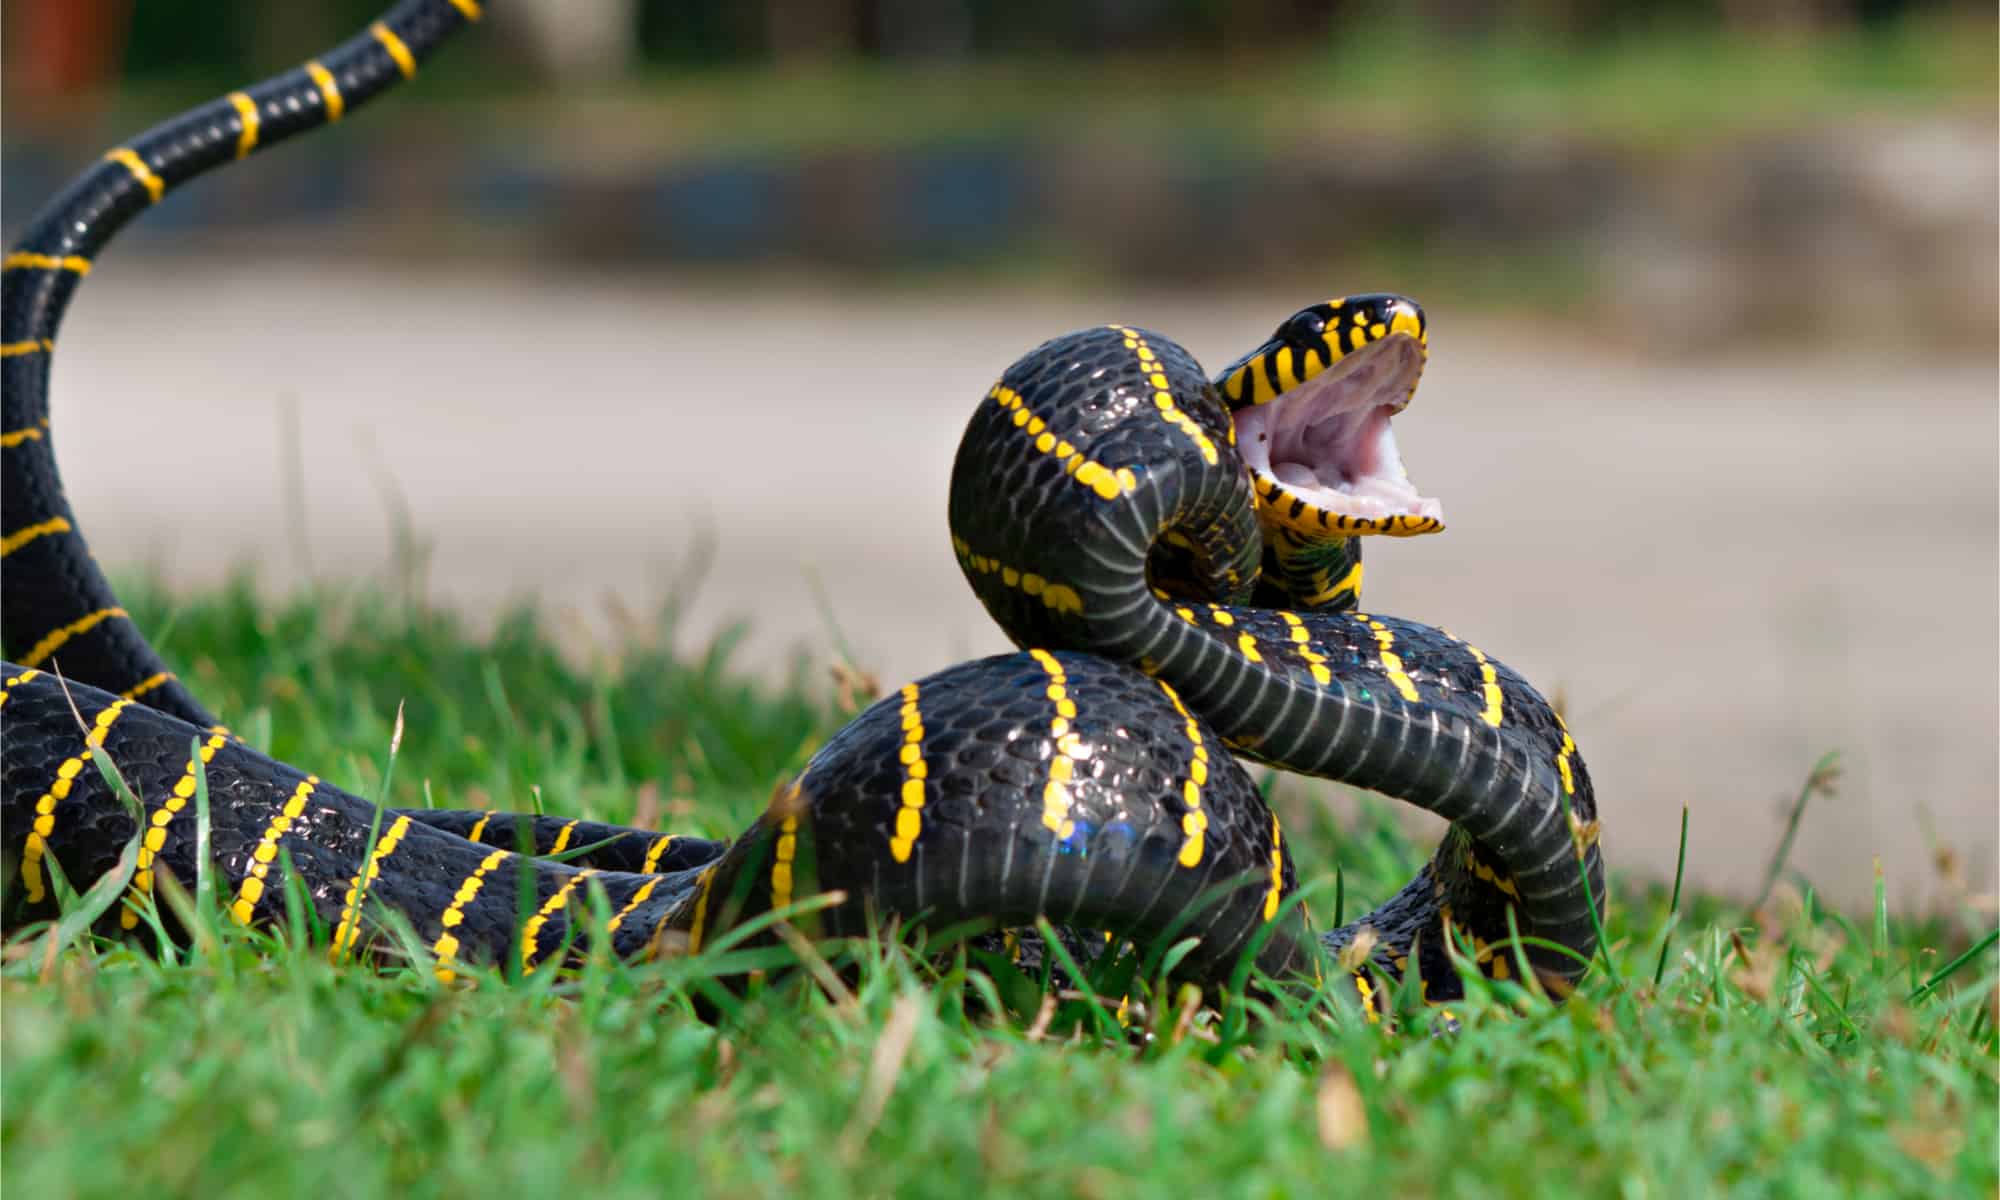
column 232, row 39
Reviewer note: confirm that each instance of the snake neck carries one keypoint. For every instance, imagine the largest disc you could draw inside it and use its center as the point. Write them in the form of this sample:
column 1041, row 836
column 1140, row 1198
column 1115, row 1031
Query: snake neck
column 1320, row 574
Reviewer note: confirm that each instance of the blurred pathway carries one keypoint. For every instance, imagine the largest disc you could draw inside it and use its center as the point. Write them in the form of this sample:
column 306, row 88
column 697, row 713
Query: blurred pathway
column 1725, row 567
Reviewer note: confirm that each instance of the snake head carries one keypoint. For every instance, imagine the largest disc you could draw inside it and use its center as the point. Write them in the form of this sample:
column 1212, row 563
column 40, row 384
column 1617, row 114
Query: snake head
column 1312, row 408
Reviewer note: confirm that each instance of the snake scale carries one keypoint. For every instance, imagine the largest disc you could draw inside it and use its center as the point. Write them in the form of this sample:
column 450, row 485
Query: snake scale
column 1178, row 557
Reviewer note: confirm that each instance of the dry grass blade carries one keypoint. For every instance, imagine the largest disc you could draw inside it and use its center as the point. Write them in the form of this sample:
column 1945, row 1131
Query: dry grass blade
column 1039, row 1027
column 576, row 1074
column 1128, row 1010
column 1342, row 1118
column 817, row 966
column 1355, row 954
column 1190, row 1006
column 854, row 687
column 885, row 1066
column 1822, row 780
column 646, row 805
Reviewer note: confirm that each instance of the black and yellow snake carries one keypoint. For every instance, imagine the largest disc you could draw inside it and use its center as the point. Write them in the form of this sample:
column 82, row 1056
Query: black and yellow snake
column 1177, row 556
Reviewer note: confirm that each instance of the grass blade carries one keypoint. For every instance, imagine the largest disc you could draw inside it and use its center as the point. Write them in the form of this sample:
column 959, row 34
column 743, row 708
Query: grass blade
column 1577, row 835
column 1881, row 931
column 1949, row 969
column 1674, row 904
column 1820, row 780
column 342, row 938
column 204, row 862
column 94, row 903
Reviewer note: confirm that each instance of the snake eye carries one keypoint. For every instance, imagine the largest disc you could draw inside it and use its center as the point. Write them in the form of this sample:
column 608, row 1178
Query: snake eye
column 1303, row 328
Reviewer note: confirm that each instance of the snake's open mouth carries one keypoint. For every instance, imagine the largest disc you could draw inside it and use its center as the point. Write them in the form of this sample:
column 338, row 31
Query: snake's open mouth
column 1327, row 442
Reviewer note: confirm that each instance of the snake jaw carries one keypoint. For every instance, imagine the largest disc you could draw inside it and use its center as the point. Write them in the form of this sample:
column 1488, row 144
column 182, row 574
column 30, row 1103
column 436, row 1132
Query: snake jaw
column 1323, row 454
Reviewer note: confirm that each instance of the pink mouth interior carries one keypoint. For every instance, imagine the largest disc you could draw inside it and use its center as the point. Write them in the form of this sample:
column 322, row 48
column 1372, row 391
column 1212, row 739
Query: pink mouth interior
column 1328, row 440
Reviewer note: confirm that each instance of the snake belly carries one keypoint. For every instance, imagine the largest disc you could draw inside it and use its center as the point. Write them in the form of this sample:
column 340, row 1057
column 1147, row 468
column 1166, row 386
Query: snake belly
column 1176, row 607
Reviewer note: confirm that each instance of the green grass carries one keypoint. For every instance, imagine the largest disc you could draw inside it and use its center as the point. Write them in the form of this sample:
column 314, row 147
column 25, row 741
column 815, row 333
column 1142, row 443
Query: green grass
column 1799, row 1052
column 1373, row 81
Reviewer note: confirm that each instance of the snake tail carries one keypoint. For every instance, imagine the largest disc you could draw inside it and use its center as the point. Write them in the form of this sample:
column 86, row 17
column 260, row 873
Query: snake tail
column 55, row 605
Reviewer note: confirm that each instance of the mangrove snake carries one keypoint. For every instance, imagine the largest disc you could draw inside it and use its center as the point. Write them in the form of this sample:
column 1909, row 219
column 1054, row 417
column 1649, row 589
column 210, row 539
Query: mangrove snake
column 1177, row 557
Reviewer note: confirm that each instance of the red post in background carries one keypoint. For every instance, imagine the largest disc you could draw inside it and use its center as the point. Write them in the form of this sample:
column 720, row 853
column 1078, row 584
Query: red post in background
column 61, row 49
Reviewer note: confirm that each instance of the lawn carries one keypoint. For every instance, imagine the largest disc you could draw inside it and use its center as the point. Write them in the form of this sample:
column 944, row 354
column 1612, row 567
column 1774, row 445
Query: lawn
column 1792, row 1051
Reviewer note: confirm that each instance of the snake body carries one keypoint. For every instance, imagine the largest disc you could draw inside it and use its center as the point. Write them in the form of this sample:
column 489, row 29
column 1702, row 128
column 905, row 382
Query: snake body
column 1180, row 600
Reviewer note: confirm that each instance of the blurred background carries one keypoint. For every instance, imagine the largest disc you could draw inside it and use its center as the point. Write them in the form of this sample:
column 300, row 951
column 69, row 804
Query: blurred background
column 628, row 299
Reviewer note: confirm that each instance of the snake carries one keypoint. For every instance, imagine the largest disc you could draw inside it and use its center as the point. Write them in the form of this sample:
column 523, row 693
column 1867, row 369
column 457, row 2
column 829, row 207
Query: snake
column 1177, row 557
